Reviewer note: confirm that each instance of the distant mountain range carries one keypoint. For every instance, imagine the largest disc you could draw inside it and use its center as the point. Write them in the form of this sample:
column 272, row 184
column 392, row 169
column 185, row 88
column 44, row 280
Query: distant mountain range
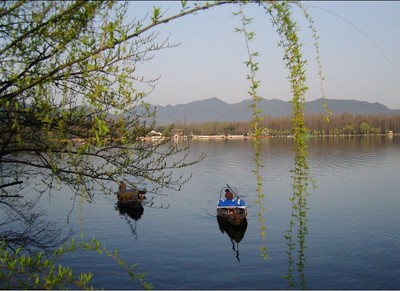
column 214, row 109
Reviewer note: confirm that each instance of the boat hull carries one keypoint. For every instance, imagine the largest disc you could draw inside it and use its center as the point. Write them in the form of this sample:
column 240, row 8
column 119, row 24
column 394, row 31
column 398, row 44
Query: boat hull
column 130, row 204
column 233, row 215
column 130, row 197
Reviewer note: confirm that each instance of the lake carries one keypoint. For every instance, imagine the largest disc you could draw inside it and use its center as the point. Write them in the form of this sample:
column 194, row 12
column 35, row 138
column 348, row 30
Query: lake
column 353, row 222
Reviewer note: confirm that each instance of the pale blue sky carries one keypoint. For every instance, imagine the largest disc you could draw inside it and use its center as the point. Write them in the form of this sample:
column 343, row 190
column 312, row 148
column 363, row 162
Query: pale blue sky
column 359, row 51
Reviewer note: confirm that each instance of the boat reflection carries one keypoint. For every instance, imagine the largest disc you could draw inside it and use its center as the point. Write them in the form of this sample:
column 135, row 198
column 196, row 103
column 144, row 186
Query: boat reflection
column 235, row 232
column 131, row 214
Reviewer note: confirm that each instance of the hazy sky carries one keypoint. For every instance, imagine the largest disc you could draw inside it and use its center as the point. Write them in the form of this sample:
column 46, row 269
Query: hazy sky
column 359, row 51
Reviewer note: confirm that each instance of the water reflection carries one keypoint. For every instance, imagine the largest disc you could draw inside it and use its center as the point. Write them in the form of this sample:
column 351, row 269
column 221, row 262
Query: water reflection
column 235, row 232
column 131, row 214
column 23, row 222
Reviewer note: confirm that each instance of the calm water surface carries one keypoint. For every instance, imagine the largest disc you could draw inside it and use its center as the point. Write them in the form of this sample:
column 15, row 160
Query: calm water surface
column 353, row 239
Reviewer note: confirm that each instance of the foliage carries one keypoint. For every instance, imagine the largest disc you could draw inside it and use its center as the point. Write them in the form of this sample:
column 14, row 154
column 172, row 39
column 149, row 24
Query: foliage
column 68, row 74
column 70, row 109
column 339, row 124
column 280, row 13
column 58, row 86
column 365, row 127
column 287, row 29
column 23, row 271
column 253, row 67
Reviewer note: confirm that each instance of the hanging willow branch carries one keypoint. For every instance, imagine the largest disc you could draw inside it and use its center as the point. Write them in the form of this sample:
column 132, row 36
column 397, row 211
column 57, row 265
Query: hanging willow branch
column 253, row 67
column 288, row 30
column 315, row 37
column 68, row 62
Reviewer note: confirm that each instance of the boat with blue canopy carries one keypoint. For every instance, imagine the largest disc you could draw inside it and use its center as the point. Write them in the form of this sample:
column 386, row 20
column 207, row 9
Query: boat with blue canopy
column 230, row 206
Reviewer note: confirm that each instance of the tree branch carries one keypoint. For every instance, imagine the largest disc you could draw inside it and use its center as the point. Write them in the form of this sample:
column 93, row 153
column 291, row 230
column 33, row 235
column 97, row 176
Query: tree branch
column 9, row 185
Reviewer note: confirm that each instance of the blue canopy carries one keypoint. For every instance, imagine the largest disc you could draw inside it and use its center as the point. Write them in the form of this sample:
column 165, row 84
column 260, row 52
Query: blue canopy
column 235, row 202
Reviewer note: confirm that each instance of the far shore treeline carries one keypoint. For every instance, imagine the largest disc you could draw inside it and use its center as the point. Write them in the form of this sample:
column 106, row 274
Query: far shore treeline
column 341, row 124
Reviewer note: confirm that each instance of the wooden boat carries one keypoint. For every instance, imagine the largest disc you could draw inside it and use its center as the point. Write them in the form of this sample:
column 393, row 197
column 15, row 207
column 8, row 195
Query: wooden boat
column 130, row 197
column 230, row 207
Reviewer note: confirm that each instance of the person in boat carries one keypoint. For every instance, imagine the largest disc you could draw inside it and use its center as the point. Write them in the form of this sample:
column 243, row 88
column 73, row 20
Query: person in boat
column 121, row 195
column 228, row 194
column 125, row 195
column 121, row 186
column 229, row 201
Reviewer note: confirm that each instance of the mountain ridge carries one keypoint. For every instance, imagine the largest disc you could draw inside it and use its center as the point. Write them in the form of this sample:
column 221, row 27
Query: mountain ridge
column 214, row 109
